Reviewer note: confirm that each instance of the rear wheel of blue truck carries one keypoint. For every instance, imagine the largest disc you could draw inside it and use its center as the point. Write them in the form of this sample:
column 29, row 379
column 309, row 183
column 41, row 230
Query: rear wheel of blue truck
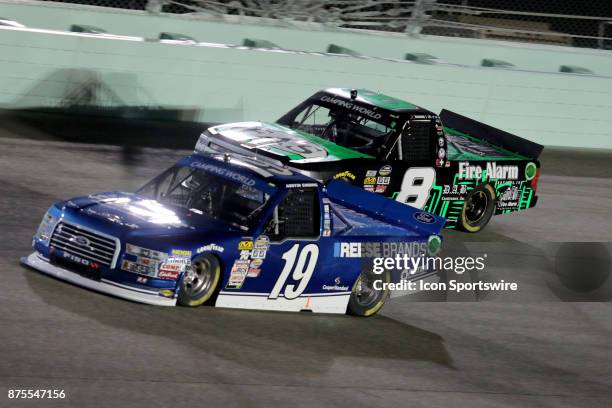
column 200, row 283
column 478, row 209
column 367, row 298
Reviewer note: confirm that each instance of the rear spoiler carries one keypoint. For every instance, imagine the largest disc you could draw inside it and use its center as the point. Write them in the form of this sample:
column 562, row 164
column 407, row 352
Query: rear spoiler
column 383, row 208
column 490, row 134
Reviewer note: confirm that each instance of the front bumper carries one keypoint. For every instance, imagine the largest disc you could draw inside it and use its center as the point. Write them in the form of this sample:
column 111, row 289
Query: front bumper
column 150, row 297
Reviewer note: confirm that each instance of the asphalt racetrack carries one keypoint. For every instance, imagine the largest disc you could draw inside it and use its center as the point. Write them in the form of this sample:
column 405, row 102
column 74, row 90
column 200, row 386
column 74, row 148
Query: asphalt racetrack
column 541, row 346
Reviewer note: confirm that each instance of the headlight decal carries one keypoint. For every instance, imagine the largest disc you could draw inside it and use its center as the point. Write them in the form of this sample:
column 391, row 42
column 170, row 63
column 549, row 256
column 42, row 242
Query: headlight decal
column 45, row 229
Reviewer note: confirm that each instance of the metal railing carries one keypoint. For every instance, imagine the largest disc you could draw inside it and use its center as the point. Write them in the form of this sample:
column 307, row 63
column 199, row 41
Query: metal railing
column 518, row 20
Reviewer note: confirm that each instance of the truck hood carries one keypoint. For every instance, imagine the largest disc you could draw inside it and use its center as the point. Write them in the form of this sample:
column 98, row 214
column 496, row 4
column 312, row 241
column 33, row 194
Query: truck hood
column 131, row 215
column 276, row 141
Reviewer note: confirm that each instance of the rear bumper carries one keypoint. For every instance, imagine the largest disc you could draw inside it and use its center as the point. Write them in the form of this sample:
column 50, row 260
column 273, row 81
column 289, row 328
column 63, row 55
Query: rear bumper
column 150, row 297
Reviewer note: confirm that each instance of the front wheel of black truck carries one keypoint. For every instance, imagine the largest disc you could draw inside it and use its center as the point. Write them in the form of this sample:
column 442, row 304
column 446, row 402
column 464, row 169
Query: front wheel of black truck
column 478, row 209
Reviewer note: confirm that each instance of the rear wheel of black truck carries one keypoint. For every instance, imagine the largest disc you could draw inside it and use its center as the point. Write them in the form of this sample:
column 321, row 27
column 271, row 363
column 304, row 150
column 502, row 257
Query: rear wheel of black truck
column 478, row 209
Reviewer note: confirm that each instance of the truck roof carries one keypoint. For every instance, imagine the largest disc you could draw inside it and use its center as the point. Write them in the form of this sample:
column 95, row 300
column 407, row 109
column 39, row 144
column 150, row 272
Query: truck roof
column 375, row 99
column 255, row 169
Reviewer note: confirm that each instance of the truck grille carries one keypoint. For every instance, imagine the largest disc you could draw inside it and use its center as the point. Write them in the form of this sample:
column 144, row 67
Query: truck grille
column 416, row 144
column 83, row 243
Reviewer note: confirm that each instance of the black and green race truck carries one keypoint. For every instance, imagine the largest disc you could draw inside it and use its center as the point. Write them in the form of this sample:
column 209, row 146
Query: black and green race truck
column 445, row 164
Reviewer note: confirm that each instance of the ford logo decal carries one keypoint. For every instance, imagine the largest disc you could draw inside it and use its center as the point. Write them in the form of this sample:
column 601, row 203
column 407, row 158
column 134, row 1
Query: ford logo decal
column 424, row 217
column 81, row 241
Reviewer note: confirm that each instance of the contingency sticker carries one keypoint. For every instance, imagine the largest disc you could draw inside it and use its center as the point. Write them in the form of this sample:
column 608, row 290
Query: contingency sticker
column 248, row 265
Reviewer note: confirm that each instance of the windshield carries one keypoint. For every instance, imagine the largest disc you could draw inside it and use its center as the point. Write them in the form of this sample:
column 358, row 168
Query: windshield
column 204, row 193
column 361, row 130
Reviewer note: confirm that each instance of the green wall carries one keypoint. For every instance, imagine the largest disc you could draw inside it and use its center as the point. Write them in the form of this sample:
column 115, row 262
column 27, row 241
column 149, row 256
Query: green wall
column 532, row 100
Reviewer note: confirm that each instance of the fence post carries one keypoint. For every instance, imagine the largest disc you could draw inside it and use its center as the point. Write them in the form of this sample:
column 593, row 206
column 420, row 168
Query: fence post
column 419, row 15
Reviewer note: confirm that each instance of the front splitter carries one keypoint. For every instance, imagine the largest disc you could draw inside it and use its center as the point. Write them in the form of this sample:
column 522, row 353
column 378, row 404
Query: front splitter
column 150, row 297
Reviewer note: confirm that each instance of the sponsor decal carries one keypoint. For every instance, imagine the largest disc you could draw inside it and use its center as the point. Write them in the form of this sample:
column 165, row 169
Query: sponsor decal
column 245, row 245
column 385, row 170
column 210, row 248
column 509, row 198
column 181, row 253
column 379, row 249
column 351, row 106
column 511, row 194
column 177, row 260
column 371, row 173
column 171, row 267
column 453, row 191
column 347, row 249
column 369, row 187
column 169, row 293
column 383, row 180
column 301, row 185
column 168, row 274
column 146, row 261
column 136, row 268
column 254, row 268
column 260, row 247
column 142, row 279
column 369, row 180
column 345, row 175
column 211, row 168
column 380, row 189
column 248, row 265
column 422, row 117
column 79, row 260
column 326, row 220
column 424, row 217
column 494, row 171
column 262, row 242
column 240, row 266
column 144, row 252
column 530, row 170
column 238, row 274
column 253, row 272
column 258, row 253
column 336, row 285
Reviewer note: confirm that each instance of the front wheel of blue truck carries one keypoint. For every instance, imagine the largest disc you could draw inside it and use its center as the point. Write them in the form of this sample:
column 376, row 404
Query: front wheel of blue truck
column 478, row 209
column 200, row 283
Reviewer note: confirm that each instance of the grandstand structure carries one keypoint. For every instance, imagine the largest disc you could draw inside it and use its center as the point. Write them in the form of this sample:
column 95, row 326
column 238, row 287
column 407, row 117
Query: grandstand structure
column 566, row 23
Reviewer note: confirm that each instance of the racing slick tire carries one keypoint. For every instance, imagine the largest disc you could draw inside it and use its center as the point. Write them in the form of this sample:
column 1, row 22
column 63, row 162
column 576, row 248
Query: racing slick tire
column 365, row 300
column 478, row 209
column 201, row 282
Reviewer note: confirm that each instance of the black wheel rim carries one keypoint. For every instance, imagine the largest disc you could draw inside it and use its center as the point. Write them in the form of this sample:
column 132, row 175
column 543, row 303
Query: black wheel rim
column 476, row 207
